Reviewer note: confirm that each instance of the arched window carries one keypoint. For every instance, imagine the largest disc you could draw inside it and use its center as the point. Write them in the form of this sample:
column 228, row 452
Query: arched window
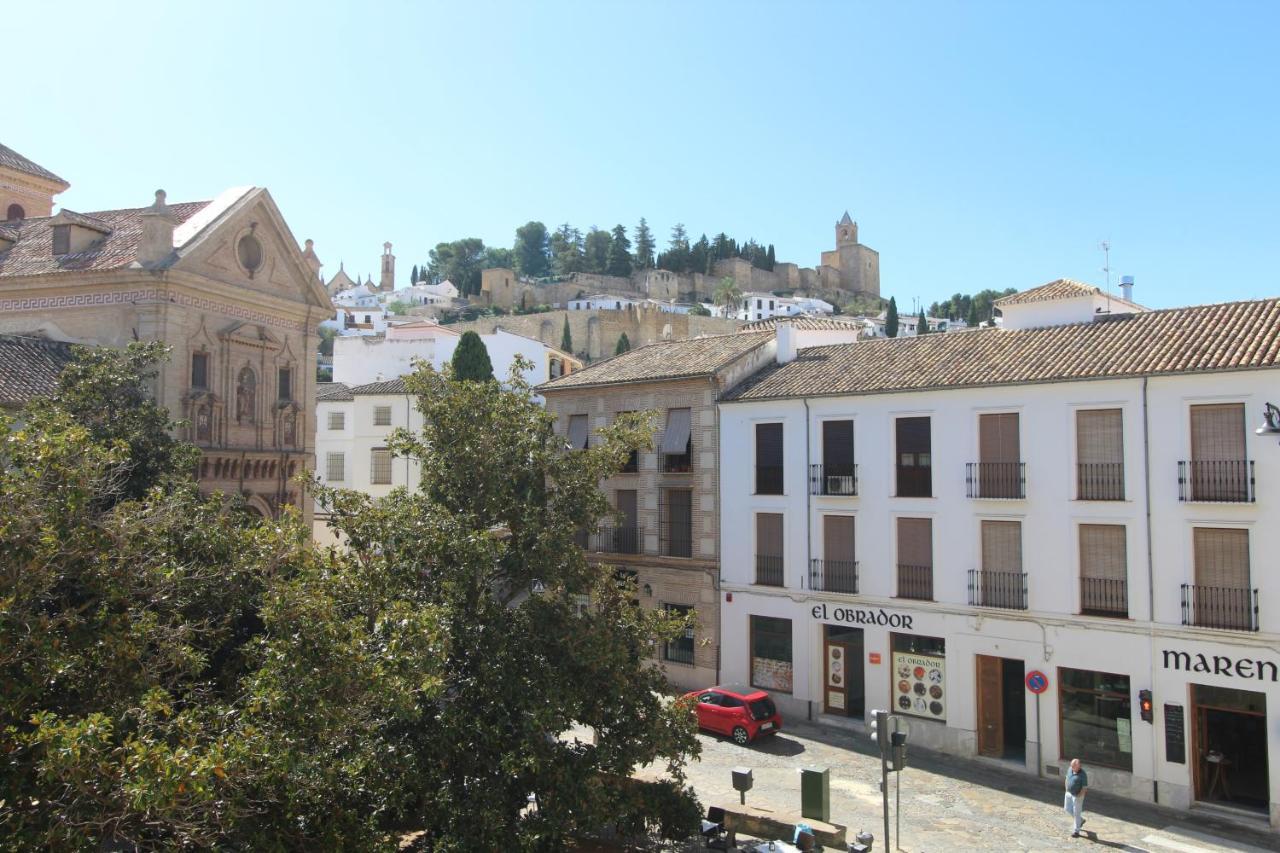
column 15, row 212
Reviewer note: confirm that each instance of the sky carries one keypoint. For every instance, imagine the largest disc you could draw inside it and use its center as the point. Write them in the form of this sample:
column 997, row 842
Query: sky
column 977, row 144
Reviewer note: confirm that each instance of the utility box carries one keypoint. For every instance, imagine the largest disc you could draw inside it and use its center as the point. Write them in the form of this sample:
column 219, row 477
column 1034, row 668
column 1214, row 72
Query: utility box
column 742, row 782
column 815, row 793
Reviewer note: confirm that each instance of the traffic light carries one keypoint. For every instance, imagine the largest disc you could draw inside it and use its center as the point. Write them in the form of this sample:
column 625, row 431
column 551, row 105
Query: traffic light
column 899, row 758
column 1144, row 705
column 880, row 732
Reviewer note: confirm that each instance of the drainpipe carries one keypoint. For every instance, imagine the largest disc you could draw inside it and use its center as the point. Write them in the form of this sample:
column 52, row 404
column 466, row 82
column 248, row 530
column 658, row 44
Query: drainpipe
column 1151, row 581
column 715, row 575
column 808, row 517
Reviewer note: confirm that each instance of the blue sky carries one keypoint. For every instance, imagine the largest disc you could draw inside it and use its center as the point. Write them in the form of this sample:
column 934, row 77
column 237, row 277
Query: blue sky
column 977, row 144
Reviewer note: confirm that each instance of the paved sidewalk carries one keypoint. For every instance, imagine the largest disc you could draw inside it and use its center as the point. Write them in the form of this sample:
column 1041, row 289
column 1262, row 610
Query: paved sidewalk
column 952, row 803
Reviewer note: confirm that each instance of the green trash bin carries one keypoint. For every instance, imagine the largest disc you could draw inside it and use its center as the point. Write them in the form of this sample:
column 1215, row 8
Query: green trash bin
column 815, row 793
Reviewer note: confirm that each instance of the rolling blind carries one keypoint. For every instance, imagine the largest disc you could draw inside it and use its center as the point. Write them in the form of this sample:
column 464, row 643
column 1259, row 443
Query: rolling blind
column 837, row 446
column 1222, row 557
column 998, row 437
column 1217, row 432
column 1099, row 436
column 1002, row 546
column 1103, row 551
column 769, row 534
column 837, row 538
column 915, row 541
column 769, row 445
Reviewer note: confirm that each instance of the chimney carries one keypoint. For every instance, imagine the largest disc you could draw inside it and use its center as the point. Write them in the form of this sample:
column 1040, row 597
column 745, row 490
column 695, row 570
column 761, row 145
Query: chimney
column 156, row 244
column 786, row 342
column 309, row 255
column 1126, row 287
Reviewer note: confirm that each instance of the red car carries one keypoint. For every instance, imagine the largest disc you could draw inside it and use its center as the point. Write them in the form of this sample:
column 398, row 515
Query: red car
column 744, row 713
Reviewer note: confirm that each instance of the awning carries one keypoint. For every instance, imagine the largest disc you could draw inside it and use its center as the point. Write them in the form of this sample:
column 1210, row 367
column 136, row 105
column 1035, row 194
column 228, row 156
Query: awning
column 676, row 438
column 578, row 432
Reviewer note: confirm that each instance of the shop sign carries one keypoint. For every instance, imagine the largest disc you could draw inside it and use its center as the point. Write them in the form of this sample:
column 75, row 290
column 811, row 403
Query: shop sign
column 861, row 616
column 919, row 685
column 1220, row 665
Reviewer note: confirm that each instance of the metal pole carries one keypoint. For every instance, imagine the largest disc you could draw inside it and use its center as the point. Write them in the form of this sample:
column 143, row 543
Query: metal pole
column 1039, row 760
column 897, row 806
column 884, row 776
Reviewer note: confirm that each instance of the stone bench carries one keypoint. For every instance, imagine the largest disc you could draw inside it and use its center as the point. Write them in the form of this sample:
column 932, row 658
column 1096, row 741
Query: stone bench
column 764, row 822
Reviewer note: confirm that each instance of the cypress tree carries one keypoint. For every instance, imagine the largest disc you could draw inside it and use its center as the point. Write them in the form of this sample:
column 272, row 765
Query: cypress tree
column 624, row 345
column 770, row 259
column 891, row 319
column 972, row 318
column 566, row 338
column 922, row 324
column 471, row 360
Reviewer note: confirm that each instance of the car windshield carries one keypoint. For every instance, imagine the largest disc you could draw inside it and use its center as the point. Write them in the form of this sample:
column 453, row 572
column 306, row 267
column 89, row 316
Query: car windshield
column 763, row 709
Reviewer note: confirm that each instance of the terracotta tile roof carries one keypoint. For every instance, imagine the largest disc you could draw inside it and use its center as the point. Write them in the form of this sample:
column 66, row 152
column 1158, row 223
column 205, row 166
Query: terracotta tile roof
column 805, row 323
column 390, row 386
column 1229, row 336
column 664, row 360
column 332, row 392
column 29, row 367
column 10, row 159
column 33, row 253
column 70, row 217
column 1063, row 288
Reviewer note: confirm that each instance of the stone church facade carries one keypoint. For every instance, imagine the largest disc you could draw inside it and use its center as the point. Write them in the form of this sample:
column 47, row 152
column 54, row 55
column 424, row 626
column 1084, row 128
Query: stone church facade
column 222, row 282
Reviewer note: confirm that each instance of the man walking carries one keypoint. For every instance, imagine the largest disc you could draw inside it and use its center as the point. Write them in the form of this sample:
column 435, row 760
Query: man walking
column 1077, row 785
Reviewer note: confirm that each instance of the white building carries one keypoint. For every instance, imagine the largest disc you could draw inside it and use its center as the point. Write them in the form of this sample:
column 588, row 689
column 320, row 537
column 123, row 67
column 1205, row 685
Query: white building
column 929, row 521
column 609, row 302
column 762, row 306
column 443, row 293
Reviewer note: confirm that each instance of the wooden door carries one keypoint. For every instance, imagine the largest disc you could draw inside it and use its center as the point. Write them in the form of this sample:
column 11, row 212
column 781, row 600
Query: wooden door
column 990, row 706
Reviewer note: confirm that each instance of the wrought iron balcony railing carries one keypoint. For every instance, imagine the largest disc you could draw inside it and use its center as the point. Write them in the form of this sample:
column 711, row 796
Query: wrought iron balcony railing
column 836, row 480
column 1225, row 607
column 618, row 539
column 1006, row 590
column 1219, row 481
column 1100, row 481
column 1104, row 597
column 915, row 582
column 768, row 570
column 999, row 480
column 675, row 463
column 676, row 540
column 833, row 575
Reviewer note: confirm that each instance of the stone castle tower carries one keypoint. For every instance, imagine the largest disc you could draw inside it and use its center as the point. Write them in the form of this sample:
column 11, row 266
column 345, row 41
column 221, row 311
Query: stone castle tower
column 854, row 267
column 388, row 280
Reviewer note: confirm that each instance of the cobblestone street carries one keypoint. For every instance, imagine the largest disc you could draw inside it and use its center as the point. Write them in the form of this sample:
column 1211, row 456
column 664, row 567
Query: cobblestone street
column 951, row 803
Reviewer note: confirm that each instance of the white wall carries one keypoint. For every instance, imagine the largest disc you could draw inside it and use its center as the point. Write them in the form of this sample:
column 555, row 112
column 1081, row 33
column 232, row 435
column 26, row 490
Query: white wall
column 359, row 361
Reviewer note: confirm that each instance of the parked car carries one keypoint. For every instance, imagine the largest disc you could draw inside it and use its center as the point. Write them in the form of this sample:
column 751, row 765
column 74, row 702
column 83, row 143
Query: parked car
column 743, row 713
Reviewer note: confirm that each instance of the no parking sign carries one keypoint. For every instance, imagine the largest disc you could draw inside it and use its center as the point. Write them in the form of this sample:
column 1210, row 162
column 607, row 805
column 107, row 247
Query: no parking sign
column 1037, row 682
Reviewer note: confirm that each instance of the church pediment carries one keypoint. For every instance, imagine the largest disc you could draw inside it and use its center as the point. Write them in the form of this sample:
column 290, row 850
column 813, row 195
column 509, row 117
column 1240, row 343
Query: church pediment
column 251, row 335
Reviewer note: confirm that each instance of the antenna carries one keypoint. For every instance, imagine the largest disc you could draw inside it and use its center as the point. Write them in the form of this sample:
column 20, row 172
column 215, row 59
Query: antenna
column 1105, row 246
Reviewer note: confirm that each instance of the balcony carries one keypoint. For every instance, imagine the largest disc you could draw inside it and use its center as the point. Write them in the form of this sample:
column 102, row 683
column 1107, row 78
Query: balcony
column 1100, row 481
column 675, row 463
column 833, row 480
column 1226, row 608
column 768, row 570
column 915, row 582
column 1220, row 481
column 996, row 480
column 1104, row 597
column 676, row 540
column 1005, row 590
column 834, row 576
column 768, row 479
column 617, row 539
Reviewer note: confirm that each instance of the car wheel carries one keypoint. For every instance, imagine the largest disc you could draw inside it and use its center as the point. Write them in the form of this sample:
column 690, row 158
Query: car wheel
column 740, row 736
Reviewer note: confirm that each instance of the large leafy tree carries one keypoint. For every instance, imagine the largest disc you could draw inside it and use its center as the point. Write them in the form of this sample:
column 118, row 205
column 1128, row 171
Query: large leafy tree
column 645, row 245
column 460, row 262
column 566, row 250
column 495, row 517
column 595, row 250
column 619, row 260
column 530, row 252
column 471, row 359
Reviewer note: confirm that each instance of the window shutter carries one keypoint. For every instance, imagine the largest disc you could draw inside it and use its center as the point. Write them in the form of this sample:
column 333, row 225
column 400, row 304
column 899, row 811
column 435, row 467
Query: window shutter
column 1002, row 546
column 1217, row 432
column 915, row 542
column 837, row 538
column 837, row 446
column 1099, row 436
column 675, row 440
column 913, row 435
column 768, row 445
column 1103, row 551
column 769, row 534
column 578, row 432
column 998, row 437
column 1222, row 557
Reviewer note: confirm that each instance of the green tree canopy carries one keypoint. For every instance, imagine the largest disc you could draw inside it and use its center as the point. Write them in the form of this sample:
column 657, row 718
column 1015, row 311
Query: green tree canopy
column 566, row 250
column 922, row 324
column 645, row 245
column 471, row 359
column 624, row 344
column 530, row 252
column 619, row 261
column 891, row 319
column 727, row 295
column 460, row 262
column 566, row 337
column 595, row 250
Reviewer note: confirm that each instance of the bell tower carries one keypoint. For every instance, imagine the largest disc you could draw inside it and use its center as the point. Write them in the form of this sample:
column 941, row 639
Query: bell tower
column 388, row 280
column 846, row 231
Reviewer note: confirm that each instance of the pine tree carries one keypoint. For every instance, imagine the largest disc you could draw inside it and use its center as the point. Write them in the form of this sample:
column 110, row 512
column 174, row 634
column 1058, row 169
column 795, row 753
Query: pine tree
column 471, row 359
column 619, row 261
column 922, row 324
column 890, row 319
column 566, row 338
column 624, row 344
column 644, row 245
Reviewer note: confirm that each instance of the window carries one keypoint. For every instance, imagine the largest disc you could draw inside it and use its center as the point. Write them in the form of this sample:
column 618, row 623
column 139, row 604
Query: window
column 915, row 462
column 676, row 522
column 837, row 571
column 1219, row 470
column 337, row 420
column 999, row 470
column 1100, row 455
column 675, row 455
column 837, row 476
column 61, row 239
column 382, row 416
column 1220, row 597
column 915, row 558
column 199, row 370
column 1094, row 717
column 249, row 253
column 679, row 650
column 380, row 467
column 284, row 384
column 624, row 537
column 1000, row 582
column 769, row 459
column 919, row 667
column 15, row 213
column 769, row 548
column 771, row 653
column 1103, row 570
column 577, row 432
column 335, row 467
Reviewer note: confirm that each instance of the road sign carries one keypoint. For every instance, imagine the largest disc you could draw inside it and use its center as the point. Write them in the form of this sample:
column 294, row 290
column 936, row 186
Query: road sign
column 1037, row 681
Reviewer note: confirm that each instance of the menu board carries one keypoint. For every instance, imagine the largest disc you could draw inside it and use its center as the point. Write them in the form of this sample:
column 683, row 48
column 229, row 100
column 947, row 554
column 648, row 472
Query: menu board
column 919, row 685
column 1175, row 735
